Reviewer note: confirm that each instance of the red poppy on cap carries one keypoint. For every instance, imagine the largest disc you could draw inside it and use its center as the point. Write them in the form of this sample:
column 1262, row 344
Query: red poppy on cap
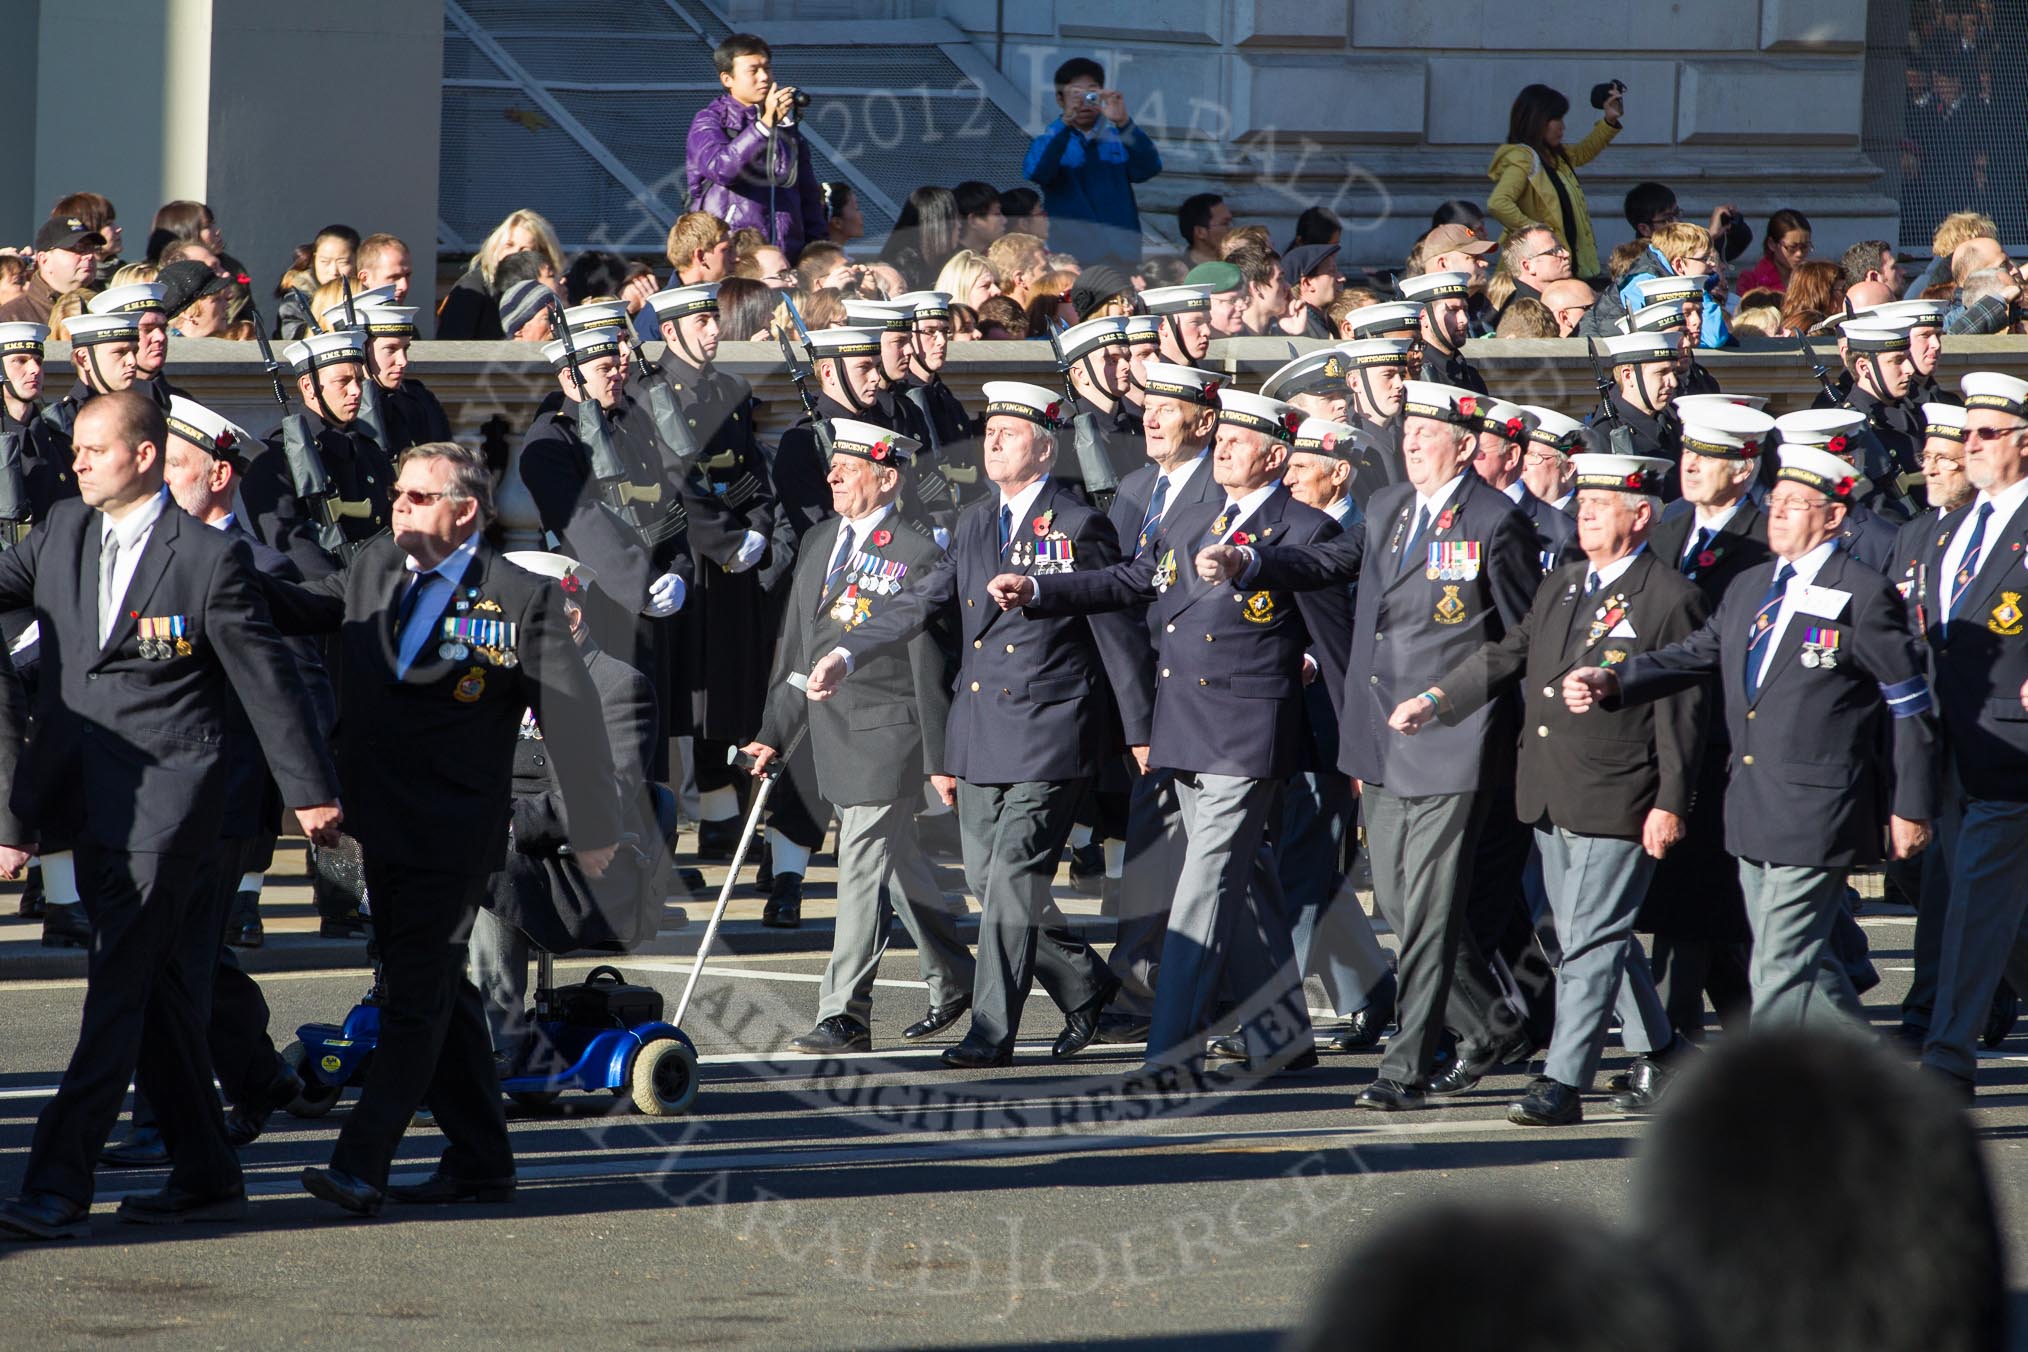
column 1634, row 479
column 1750, row 449
column 1844, row 486
column 878, row 450
column 1292, row 420
column 1469, row 405
column 1210, row 389
column 1054, row 411
column 223, row 441
column 882, row 538
column 1836, row 445
column 570, row 584
column 1514, row 427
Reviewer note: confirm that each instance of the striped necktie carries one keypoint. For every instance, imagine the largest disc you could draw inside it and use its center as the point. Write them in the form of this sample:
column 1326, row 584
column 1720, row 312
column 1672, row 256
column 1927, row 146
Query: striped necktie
column 1969, row 569
column 1763, row 627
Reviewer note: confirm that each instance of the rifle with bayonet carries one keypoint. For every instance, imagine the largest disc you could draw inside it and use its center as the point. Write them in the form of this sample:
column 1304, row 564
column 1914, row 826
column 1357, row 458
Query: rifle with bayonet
column 611, row 475
column 801, row 374
column 15, row 508
column 1619, row 437
column 300, row 453
column 1093, row 464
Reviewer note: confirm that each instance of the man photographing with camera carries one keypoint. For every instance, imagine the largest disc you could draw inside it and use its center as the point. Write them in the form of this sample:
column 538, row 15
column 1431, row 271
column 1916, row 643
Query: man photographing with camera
column 744, row 162
column 1087, row 162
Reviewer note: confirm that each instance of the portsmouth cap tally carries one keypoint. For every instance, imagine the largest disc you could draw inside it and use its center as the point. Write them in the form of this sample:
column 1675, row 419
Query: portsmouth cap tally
column 1258, row 413
column 387, row 321
column 1377, row 352
column 1641, row 474
column 865, row 441
column 1168, row 381
column 1019, row 399
column 845, row 341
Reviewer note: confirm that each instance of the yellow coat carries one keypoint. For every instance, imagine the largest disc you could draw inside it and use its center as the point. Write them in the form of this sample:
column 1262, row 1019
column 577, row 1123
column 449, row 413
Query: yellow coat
column 1522, row 194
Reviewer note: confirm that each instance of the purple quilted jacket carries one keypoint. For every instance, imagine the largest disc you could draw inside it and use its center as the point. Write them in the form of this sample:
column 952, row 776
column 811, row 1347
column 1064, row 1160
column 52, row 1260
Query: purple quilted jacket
column 726, row 173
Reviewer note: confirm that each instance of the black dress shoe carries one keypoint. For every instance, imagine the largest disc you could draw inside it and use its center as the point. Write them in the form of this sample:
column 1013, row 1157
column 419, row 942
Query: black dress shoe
column 1231, row 1047
column 440, row 1190
column 245, row 1122
column 1548, row 1103
column 1117, row 1028
column 1080, row 1025
column 341, row 929
column 785, row 903
column 1465, row 1072
column 939, row 1018
column 145, row 1149
column 1391, row 1096
column 1364, row 1029
column 247, row 936
column 173, row 1206
column 691, row 880
column 66, row 927
column 1088, row 869
column 970, row 1055
column 839, row 1033
column 43, row 1215
column 1306, row 1059
column 1647, row 1081
column 2001, row 1018
column 717, row 840
column 339, row 1188
column 1908, row 1038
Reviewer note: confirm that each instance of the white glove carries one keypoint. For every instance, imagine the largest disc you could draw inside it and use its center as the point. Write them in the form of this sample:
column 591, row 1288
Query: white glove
column 751, row 546
column 665, row 596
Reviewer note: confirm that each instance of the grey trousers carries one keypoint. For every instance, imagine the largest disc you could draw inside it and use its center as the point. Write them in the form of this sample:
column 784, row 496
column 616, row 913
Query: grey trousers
column 877, row 847
column 1333, row 939
column 1983, row 936
column 1795, row 977
column 1421, row 851
column 1154, row 863
column 1227, row 932
column 1595, row 885
column 1012, row 836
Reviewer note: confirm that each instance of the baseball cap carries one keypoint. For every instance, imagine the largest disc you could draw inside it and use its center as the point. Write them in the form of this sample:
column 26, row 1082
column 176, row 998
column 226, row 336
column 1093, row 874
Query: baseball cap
column 67, row 232
column 1455, row 239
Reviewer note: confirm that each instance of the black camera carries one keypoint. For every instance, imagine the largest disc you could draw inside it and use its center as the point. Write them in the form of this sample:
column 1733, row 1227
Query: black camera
column 800, row 99
column 1601, row 92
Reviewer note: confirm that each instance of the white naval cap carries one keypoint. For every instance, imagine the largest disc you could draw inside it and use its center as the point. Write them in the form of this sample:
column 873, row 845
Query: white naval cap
column 1636, row 349
column 1815, row 468
column 90, row 330
column 1725, row 431
column 134, row 298
column 1431, row 286
column 1641, row 474
column 1322, row 436
column 1687, row 401
column 677, row 301
column 845, row 341
column 879, row 314
column 1389, row 316
column 868, row 441
column 208, row 430
column 1944, row 420
column 1663, row 316
column 1019, row 399
column 387, row 321
column 1367, row 352
column 1320, row 372
column 1512, row 421
column 1166, row 380
column 1555, row 429
column 22, row 337
column 1176, row 300
column 923, row 305
column 1990, row 389
column 1444, row 403
column 567, row 572
column 1091, row 335
column 315, row 351
column 1668, row 288
column 1829, row 429
column 1258, row 413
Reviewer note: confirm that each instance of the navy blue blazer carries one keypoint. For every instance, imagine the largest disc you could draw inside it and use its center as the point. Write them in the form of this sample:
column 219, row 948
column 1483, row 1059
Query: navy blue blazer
column 1980, row 658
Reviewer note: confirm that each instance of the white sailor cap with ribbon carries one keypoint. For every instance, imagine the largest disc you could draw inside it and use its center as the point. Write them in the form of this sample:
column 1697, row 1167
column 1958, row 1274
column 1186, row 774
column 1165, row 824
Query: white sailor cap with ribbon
column 1319, row 372
column 1081, row 339
column 1322, row 436
column 1683, row 402
column 1443, row 403
column 1176, row 300
column 21, row 336
column 1165, row 380
column 568, row 574
column 1829, row 429
column 1990, row 389
column 1369, row 352
column 1917, row 314
column 138, row 298
column 865, row 441
column 387, row 321
column 1389, row 316
column 1641, row 474
column 315, row 351
column 586, row 344
column 1637, row 349
column 1668, row 289
column 207, row 429
column 923, row 305
column 1019, row 399
column 600, row 314
column 1665, row 316
column 1431, row 286
column 844, row 341
column 1556, row 430
column 1871, row 333
column 91, row 330
column 678, row 301
column 1938, row 420
column 879, row 314
column 1258, row 413
column 1726, row 431
column 1815, row 468
column 1503, row 419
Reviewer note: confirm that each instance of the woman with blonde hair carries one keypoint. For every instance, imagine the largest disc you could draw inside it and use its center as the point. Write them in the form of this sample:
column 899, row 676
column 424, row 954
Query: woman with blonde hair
column 968, row 279
column 471, row 310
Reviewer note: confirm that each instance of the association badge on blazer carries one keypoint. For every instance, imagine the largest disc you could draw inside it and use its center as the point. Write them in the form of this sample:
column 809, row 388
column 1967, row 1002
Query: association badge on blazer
column 1259, row 607
column 470, row 687
column 163, row 636
column 1450, row 609
column 2007, row 616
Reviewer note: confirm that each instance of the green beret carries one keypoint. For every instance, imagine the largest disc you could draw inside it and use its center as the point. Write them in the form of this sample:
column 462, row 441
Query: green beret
column 1220, row 277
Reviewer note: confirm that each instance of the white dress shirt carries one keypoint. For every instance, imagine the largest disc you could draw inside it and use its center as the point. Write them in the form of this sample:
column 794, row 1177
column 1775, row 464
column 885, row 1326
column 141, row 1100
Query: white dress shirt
column 1018, row 508
column 1612, row 572
column 133, row 531
column 2005, row 503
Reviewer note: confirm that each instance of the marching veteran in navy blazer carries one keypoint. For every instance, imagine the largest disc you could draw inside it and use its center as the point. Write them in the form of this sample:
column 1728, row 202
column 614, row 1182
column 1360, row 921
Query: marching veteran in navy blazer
column 1228, row 723
column 1028, row 726
column 1449, row 564
column 1814, row 652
